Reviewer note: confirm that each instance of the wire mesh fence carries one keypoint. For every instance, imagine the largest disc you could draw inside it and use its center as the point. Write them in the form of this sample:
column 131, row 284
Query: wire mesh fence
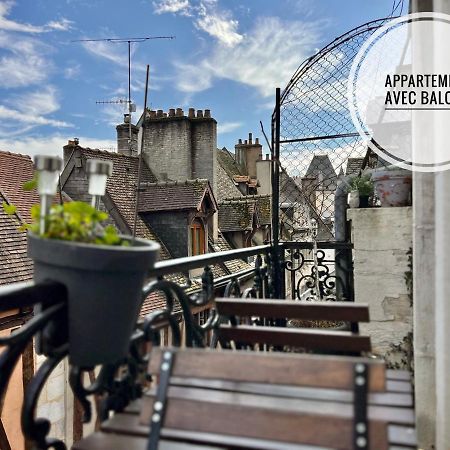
column 319, row 144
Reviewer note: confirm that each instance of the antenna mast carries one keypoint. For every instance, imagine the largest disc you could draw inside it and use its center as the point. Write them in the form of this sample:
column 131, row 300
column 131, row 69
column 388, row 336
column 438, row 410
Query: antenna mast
column 129, row 41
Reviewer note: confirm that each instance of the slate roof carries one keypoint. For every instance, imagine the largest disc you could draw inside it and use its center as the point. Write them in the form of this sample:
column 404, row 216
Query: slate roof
column 228, row 163
column 236, row 215
column 174, row 195
column 354, row 165
column 15, row 266
column 322, row 169
column 15, row 170
column 227, row 168
column 233, row 266
column 264, row 209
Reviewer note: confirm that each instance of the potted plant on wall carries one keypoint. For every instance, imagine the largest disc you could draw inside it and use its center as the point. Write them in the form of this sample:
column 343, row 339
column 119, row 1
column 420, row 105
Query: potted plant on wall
column 103, row 272
column 393, row 186
column 360, row 189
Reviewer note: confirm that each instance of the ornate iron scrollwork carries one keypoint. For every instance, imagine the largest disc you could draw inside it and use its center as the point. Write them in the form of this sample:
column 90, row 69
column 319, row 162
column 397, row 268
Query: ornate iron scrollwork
column 319, row 283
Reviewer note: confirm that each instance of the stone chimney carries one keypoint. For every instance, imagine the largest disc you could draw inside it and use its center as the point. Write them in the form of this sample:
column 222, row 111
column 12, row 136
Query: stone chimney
column 263, row 174
column 247, row 154
column 68, row 149
column 125, row 146
column 181, row 147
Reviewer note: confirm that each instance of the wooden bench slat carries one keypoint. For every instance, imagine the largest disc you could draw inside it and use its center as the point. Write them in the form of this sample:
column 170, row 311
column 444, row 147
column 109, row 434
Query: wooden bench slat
column 332, row 311
column 264, row 423
column 325, row 371
column 308, row 338
column 398, row 386
column 402, row 435
column 134, row 407
column 297, row 406
column 344, row 396
column 400, row 375
column 110, row 441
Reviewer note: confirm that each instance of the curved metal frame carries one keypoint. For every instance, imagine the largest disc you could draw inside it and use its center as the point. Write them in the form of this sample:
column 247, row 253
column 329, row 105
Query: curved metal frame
column 304, row 202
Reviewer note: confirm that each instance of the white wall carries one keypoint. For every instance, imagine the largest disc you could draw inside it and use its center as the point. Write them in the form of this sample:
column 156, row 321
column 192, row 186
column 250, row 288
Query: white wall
column 382, row 237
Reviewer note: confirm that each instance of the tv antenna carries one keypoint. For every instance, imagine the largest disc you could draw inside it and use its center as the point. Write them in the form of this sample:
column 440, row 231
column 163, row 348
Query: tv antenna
column 129, row 41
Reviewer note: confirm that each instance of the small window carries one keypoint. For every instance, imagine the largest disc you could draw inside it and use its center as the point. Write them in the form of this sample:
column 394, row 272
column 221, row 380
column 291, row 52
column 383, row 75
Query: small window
column 197, row 238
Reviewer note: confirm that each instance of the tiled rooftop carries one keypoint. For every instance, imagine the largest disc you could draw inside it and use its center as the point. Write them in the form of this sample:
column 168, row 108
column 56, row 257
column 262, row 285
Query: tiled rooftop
column 233, row 266
column 236, row 215
column 14, row 264
column 173, row 195
column 15, row 170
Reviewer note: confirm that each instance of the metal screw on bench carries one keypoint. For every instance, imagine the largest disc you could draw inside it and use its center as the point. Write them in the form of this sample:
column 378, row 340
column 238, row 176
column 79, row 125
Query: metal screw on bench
column 98, row 171
column 48, row 168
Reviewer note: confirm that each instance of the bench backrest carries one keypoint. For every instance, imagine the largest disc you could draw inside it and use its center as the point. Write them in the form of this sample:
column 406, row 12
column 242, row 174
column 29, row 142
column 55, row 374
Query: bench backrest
column 324, row 371
column 230, row 398
column 330, row 311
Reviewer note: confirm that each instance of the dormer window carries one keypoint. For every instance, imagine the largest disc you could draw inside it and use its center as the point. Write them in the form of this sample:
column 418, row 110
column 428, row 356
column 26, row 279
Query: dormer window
column 197, row 235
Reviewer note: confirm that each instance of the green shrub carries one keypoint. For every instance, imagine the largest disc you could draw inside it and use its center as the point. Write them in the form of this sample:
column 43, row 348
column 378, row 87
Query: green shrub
column 362, row 184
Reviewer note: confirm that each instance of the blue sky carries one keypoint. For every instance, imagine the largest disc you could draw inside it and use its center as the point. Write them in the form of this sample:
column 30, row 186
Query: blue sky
column 228, row 56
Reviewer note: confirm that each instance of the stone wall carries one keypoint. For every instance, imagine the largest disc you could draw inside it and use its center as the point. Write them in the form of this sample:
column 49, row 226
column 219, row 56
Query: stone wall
column 56, row 401
column 180, row 147
column 382, row 239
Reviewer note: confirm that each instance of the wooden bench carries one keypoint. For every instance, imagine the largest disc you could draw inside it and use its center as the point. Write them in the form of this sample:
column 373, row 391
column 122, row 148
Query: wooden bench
column 314, row 339
column 234, row 399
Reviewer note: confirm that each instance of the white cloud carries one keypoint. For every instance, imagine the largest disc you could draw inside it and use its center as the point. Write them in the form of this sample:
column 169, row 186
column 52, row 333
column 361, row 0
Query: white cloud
column 43, row 102
column 25, row 62
column 115, row 53
column 228, row 127
column 265, row 59
column 59, row 25
column 171, row 6
column 52, row 145
column 218, row 24
column 10, row 25
column 21, row 113
column 72, row 72
column 27, row 118
column 207, row 17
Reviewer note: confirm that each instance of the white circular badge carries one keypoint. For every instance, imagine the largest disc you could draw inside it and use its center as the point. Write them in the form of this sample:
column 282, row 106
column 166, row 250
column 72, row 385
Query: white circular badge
column 399, row 92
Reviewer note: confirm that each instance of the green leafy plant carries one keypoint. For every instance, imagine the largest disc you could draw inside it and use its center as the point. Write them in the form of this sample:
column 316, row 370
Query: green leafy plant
column 72, row 221
column 362, row 184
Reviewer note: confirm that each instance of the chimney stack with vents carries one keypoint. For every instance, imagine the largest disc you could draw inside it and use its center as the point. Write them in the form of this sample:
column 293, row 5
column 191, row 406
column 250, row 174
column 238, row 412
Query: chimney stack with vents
column 183, row 147
column 124, row 145
column 247, row 154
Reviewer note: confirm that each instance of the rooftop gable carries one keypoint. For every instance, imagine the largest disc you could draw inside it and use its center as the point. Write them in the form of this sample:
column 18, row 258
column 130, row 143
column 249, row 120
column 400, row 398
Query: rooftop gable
column 175, row 195
column 15, row 170
column 15, row 265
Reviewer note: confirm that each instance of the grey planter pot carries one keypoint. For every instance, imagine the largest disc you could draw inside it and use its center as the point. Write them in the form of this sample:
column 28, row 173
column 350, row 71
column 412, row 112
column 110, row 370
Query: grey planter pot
column 104, row 285
column 393, row 187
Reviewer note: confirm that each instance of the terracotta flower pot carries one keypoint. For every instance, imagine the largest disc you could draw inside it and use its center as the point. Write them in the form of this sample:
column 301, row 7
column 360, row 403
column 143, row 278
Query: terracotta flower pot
column 104, row 286
column 393, row 187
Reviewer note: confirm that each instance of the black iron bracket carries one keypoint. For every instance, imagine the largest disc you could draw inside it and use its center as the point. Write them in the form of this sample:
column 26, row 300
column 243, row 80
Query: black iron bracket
column 360, row 423
column 160, row 402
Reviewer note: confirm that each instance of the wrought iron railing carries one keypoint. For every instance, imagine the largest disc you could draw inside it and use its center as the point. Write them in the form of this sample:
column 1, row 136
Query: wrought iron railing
column 119, row 383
